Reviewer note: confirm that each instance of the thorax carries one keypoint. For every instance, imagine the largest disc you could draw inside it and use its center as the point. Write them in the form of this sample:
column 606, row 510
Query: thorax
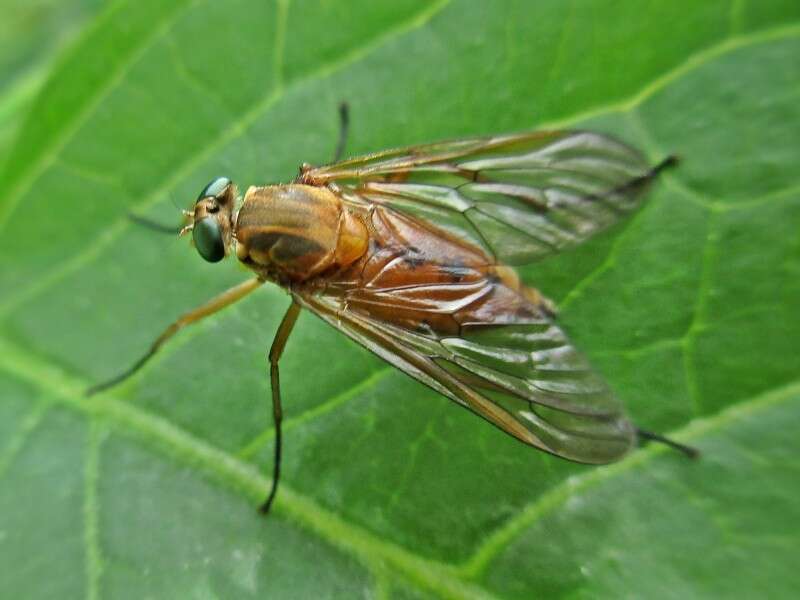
column 295, row 232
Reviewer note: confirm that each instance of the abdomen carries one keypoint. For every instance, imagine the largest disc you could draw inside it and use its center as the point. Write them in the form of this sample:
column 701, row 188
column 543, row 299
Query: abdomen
column 417, row 278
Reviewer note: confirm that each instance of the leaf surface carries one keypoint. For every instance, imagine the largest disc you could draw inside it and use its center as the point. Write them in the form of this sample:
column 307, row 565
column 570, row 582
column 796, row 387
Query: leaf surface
column 689, row 309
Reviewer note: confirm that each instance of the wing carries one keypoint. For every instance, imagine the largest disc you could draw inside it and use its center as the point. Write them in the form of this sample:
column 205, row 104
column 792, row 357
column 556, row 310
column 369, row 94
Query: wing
column 522, row 375
column 518, row 197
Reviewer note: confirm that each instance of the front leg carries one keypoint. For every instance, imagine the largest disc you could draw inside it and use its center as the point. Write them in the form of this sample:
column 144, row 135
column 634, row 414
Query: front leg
column 214, row 305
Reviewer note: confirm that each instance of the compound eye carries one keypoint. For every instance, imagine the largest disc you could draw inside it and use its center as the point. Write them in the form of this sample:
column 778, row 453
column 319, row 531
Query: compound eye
column 208, row 239
column 215, row 188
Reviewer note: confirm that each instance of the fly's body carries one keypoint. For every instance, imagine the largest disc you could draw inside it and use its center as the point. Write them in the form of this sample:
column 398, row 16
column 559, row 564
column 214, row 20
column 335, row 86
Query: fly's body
column 306, row 238
column 410, row 253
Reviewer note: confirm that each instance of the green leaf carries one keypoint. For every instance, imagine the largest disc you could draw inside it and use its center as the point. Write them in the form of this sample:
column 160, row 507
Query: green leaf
column 31, row 34
column 689, row 309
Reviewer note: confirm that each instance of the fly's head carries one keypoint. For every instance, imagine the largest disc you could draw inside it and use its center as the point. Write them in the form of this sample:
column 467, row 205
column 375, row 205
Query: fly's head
column 212, row 219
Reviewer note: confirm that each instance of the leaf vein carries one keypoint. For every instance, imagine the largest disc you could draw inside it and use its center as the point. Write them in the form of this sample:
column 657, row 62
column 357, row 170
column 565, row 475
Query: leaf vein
column 22, row 435
column 94, row 559
column 700, row 310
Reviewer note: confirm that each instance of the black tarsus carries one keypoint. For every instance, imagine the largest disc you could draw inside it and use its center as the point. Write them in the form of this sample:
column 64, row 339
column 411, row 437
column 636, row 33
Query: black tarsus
column 153, row 225
column 344, row 126
column 277, row 417
column 275, row 352
column 650, row 436
column 104, row 385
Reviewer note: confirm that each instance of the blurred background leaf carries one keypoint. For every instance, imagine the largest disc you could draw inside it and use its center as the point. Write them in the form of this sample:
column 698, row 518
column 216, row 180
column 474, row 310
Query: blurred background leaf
column 689, row 308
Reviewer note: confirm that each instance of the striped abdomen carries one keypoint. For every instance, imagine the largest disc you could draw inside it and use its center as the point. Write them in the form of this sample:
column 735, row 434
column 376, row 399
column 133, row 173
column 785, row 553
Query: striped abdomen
column 421, row 279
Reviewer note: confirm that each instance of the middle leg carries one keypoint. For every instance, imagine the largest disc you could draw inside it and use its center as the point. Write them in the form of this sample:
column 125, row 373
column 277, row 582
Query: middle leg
column 278, row 344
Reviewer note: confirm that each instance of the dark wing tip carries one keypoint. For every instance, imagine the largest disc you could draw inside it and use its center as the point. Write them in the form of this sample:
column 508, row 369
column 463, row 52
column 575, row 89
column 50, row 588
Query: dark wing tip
column 668, row 163
column 649, row 436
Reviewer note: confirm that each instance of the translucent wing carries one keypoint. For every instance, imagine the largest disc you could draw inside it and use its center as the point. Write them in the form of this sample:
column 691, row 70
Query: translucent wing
column 518, row 197
column 518, row 371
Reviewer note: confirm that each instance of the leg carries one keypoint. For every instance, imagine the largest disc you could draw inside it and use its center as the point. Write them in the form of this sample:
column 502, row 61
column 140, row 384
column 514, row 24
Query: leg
column 649, row 436
column 153, row 225
column 209, row 308
column 275, row 352
column 344, row 123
